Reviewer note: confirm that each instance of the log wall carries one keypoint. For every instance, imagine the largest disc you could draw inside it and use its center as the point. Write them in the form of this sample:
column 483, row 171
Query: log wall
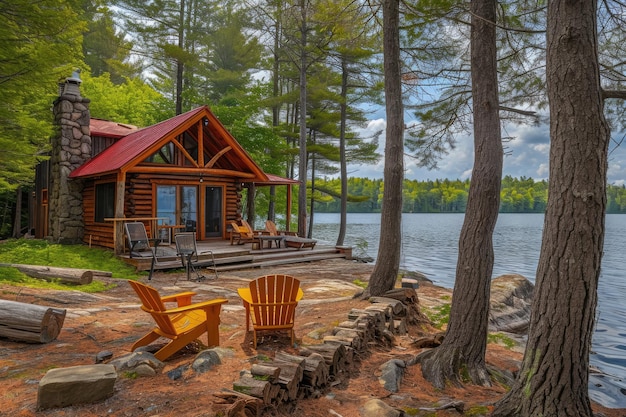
column 139, row 201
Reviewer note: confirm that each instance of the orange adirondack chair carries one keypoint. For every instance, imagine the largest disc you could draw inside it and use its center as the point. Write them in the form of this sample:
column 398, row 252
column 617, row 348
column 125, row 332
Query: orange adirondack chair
column 182, row 324
column 242, row 234
column 270, row 226
column 270, row 302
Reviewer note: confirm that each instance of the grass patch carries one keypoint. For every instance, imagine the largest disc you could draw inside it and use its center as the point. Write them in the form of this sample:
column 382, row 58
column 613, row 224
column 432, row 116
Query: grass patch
column 44, row 253
column 501, row 339
column 360, row 283
column 478, row 410
column 439, row 316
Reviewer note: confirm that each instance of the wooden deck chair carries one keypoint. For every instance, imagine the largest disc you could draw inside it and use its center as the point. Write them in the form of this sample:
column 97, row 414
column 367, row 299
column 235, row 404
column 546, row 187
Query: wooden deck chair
column 270, row 302
column 270, row 226
column 187, row 249
column 241, row 234
column 182, row 324
column 139, row 243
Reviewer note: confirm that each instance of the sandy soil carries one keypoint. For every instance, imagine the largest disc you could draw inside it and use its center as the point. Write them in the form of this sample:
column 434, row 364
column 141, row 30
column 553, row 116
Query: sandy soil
column 112, row 321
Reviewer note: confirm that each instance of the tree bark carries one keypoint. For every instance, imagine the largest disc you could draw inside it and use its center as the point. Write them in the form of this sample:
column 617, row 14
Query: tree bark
column 343, row 163
column 302, row 159
column 464, row 346
column 553, row 380
column 385, row 272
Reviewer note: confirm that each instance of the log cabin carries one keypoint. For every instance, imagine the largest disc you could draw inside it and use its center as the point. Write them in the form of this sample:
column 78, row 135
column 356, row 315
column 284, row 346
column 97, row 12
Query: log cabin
column 185, row 173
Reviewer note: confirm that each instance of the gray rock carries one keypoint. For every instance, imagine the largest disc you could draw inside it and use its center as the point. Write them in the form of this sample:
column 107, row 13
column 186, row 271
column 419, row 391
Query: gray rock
column 205, row 361
column 377, row 408
column 141, row 363
column 392, row 373
column 511, row 298
column 103, row 356
column 177, row 372
column 62, row 387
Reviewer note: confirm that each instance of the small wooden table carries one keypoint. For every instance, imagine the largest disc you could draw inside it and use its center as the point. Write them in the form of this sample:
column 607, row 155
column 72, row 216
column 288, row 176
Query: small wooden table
column 259, row 239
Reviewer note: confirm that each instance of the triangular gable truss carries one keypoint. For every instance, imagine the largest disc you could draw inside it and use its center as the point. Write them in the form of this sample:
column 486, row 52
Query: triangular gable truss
column 218, row 153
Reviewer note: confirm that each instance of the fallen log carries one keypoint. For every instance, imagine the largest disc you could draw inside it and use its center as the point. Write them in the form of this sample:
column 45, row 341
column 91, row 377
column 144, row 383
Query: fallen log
column 29, row 322
column 71, row 276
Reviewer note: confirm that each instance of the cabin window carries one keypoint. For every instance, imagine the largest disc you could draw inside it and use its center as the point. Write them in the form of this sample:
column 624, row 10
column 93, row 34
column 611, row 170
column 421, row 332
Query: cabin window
column 105, row 201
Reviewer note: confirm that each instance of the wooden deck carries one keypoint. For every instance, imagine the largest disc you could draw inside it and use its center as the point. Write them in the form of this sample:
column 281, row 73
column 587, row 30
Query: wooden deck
column 231, row 257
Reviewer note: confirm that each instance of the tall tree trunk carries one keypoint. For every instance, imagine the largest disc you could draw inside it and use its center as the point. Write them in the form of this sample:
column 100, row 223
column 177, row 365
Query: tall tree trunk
column 302, row 171
column 250, row 206
column 312, row 202
column 179, row 62
column 17, row 220
column 385, row 271
column 553, row 380
column 466, row 336
column 343, row 164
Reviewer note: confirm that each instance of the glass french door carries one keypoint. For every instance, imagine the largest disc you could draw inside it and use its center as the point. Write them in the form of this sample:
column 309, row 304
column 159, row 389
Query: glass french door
column 213, row 211
column 179, row 205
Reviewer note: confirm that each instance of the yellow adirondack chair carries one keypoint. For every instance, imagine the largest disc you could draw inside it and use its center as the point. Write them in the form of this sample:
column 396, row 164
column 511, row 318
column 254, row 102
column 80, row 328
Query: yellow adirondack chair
column 242, row 234
column 182, row 324
column 270, row 302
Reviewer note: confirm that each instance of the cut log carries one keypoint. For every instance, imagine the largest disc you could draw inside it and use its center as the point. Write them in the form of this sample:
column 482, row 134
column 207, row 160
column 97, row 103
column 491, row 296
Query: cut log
column 397, row 307
column 290, row 377
column 240, row 404
column 315, row 372
column 271, row 373
column 29, row 322
column 334, row 355
column 255, row 388
column 71, row 276
column 405, row 295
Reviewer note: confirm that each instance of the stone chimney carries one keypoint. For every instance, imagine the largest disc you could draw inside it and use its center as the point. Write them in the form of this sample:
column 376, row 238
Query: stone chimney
column 71, row 147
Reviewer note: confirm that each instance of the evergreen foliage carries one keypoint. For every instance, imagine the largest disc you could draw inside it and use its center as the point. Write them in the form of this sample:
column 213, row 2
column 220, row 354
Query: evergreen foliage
column 518, row 195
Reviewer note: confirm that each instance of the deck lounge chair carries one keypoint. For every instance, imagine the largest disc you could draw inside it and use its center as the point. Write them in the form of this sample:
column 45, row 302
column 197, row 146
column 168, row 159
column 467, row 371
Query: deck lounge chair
column 182, row 324
column 299, row 242
column 187, row 249
column 139, row 243
column 270, row 302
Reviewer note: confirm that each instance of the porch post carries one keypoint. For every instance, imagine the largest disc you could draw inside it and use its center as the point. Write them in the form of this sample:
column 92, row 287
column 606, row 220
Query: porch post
column 118, row 226
column 288, row 217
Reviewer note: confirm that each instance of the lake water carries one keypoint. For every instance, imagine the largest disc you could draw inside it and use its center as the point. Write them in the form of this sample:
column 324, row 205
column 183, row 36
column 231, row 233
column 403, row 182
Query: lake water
column 430, row 245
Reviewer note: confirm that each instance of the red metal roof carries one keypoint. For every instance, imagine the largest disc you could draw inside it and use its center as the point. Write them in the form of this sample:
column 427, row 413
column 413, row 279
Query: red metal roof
column 131, row 146
column 109, row 129
column 276, row 180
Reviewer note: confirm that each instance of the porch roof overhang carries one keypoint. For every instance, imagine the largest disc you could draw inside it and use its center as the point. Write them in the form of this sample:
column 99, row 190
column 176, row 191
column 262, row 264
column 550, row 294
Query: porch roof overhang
column 275, row 180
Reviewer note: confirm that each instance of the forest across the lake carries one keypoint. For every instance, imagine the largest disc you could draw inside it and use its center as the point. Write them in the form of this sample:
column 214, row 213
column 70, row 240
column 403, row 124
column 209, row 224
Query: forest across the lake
column 517, row 195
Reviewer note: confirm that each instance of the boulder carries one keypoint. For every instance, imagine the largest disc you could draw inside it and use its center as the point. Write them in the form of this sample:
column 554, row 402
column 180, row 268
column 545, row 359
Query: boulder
column 139, row 363
column 85, row 384
column 511, row 299
column 377, row 408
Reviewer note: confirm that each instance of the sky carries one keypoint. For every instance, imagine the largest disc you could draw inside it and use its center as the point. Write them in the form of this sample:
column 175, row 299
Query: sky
column 527, row 155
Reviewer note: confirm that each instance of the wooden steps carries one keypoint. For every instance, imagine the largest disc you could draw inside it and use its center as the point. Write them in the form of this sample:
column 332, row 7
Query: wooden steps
column 230, row 258
column 284, row 258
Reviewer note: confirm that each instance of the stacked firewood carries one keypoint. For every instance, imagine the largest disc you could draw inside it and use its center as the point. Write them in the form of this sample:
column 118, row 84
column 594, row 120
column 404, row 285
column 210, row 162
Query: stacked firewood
column 316, row 368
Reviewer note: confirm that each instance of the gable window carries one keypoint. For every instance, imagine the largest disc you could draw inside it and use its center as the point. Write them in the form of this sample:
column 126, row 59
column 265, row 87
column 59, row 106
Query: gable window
column 105, row 201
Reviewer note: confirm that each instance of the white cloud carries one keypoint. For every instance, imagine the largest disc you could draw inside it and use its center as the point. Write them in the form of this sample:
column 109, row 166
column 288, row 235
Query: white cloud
column 527, row 154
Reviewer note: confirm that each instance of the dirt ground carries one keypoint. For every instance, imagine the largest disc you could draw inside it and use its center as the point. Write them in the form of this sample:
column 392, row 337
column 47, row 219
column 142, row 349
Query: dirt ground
column 112, row 321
